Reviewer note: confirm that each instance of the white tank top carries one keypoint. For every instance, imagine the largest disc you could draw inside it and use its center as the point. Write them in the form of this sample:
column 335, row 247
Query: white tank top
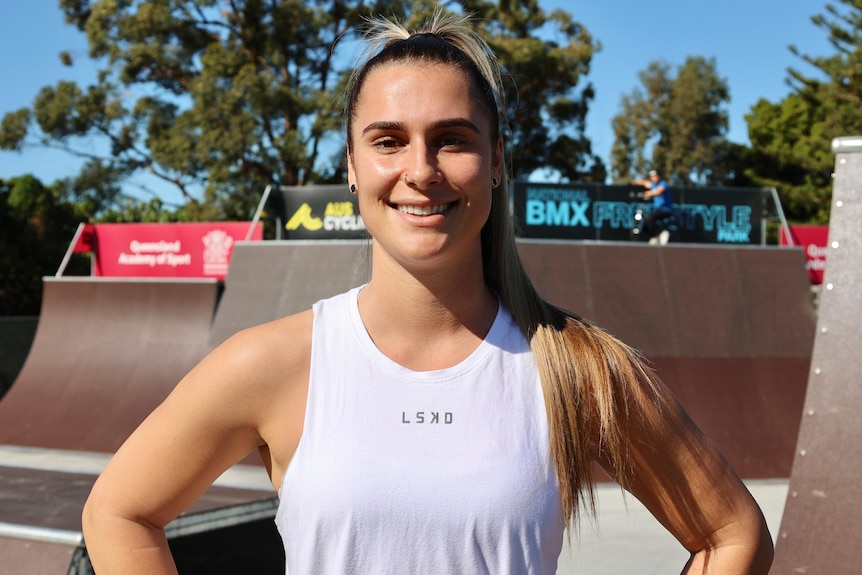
column 398, row 471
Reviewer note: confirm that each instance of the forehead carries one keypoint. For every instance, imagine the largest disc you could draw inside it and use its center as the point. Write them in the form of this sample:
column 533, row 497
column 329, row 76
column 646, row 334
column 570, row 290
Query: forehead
column 419, row 86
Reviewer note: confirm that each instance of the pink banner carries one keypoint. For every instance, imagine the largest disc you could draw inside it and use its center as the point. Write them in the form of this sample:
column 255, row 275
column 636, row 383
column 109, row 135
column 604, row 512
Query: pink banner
column 181, row 250
column 814, row 239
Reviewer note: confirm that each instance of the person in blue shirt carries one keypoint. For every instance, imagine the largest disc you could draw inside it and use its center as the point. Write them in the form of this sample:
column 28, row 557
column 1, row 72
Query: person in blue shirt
column 662, row 207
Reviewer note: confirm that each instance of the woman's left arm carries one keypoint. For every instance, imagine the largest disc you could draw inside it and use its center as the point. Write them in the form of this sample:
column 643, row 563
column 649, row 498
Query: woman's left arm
column 680, row 476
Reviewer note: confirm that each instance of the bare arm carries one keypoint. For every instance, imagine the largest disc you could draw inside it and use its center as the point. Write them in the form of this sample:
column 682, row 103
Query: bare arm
column 222, row 410
column 692, row 490
column 656, row 191
column 649, row 193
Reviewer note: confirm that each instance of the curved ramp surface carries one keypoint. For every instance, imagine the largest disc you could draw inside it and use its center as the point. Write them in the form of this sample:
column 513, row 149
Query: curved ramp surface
column 269, row 280
column 728, row 329
column 106, row 352
column 683, row 300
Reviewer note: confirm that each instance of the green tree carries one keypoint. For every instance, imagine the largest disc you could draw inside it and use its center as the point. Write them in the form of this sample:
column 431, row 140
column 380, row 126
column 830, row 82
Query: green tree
column 219, row 98
column 36, row 226
column 546, row 106
column 790, row 152
column 676, row 123
column 791, row 139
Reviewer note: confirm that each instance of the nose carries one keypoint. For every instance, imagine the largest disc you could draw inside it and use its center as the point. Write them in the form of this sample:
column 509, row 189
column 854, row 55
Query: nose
column 421, row 169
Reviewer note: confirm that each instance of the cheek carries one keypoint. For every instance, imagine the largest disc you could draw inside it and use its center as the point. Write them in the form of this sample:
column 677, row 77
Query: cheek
column 375, row 169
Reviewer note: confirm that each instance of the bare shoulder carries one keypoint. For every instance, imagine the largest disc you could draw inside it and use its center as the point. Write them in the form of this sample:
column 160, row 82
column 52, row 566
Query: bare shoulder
column 268, row 368
column 282, row 338
column 266, row 354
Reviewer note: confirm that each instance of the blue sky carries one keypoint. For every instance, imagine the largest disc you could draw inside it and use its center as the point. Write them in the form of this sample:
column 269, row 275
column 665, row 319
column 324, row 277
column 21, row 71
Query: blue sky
column 748, row 38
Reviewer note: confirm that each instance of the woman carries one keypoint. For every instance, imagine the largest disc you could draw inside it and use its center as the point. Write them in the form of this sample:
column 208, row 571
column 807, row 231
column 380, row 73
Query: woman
column 442, row 418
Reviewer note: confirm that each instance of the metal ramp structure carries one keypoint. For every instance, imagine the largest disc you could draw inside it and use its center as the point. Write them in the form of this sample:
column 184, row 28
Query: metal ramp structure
column 269, row 280
column 728, row 329
column 821, row 527
column 106, row 352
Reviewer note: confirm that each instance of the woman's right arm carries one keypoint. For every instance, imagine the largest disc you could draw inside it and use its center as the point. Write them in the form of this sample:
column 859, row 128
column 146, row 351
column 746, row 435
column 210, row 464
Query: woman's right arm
column 222, row 410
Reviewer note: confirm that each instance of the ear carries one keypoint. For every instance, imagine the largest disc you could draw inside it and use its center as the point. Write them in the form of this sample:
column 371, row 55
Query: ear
column 497, row 160
column 351, row 171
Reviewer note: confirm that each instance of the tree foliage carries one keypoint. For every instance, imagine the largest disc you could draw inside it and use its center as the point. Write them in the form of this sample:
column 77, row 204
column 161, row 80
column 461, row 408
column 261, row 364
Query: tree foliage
column 790, row 152
column 547, row 110
column 675, row 122
column 36, row 225
column 791, row 139
column 218, row 98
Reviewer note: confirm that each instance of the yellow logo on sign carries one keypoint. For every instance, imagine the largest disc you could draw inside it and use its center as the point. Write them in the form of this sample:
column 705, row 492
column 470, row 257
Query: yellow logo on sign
column 339, row 209
column 303, row 218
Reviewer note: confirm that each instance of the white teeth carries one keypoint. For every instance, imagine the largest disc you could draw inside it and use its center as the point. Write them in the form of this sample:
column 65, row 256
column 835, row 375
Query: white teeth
column 423, row 210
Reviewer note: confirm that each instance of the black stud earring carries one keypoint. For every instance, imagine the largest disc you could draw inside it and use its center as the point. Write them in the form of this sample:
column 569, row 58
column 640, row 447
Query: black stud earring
column 353, row 189
column 495, row 182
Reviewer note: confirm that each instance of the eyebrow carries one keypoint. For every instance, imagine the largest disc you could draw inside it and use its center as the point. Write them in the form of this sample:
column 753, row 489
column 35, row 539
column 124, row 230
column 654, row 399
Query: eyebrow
column 398, row 126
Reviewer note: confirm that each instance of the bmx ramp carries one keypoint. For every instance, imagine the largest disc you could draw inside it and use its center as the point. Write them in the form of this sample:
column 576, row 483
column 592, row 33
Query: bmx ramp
column 105, row 353
column 729, row 329
column 821, row 526
column 269, row 280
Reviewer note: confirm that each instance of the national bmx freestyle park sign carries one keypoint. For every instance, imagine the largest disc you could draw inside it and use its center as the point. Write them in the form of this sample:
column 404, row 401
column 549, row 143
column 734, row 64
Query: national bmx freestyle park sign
column 579, row 211
column 583, row 211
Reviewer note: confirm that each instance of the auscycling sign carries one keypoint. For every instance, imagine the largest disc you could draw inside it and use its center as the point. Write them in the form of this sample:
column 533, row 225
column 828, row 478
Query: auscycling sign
column 598, row 212
column 317, row 213
column 550, row 211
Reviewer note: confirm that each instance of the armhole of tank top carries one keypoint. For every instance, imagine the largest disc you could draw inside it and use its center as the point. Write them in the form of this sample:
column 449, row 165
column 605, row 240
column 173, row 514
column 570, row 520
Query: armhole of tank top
column 315, row 309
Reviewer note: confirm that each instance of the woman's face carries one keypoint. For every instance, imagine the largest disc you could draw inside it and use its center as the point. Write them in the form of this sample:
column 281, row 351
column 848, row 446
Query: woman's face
column 423, row 158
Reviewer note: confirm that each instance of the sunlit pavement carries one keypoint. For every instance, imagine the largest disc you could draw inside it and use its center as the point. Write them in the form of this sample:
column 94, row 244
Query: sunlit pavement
column 628, row 540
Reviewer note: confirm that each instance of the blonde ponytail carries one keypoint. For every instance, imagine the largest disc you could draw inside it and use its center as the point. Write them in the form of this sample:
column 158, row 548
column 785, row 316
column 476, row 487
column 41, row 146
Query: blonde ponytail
column 593, row 384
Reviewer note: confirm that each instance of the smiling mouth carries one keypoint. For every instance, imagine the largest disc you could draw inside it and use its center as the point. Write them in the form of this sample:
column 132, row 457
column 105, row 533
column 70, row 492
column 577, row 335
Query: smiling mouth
column 423, row 210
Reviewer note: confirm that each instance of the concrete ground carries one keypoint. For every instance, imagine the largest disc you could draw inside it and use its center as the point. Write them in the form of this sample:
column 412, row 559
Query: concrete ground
column 628, row 539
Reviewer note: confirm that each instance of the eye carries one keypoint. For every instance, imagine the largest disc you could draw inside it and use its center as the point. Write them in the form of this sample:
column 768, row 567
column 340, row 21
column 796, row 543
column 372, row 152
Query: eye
column 452, row 141
column 386, row 143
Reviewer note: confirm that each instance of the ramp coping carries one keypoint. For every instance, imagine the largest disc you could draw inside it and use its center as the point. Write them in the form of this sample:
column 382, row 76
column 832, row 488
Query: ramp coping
column 45, row 534
column 219, row 518
column 137, row 280
column 180, row 527
column 240, row 476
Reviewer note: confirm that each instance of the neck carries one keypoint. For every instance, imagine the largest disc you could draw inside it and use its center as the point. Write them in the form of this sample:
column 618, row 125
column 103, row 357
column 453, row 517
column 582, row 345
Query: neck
column 425, row 319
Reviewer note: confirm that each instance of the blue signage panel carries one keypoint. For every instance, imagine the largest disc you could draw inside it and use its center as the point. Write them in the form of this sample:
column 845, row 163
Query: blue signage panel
column 582, row 211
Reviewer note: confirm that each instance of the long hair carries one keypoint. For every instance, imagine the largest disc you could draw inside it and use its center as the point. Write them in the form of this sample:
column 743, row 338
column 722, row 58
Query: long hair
column 592, row 383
